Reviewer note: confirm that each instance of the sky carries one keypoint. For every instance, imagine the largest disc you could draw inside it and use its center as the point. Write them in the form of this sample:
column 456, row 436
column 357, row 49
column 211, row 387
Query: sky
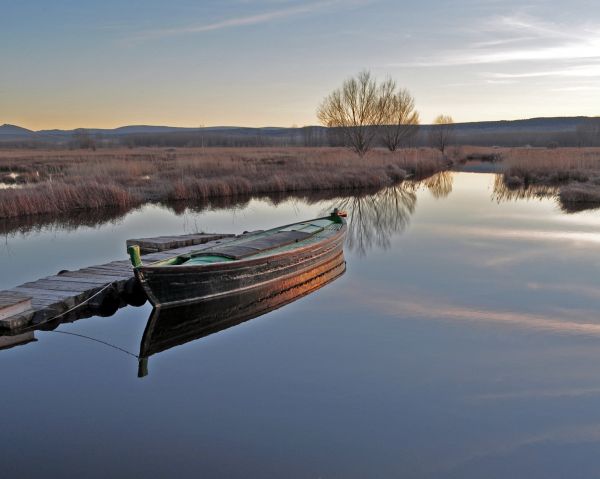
column 103, row 64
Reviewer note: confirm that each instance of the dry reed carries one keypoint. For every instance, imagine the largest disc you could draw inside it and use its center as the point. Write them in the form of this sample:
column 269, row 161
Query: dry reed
column 573, row 172
column 61, row 181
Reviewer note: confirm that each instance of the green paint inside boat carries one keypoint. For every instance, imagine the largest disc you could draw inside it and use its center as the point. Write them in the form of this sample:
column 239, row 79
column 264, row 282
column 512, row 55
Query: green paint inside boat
column 207, row 259
column 265, row 243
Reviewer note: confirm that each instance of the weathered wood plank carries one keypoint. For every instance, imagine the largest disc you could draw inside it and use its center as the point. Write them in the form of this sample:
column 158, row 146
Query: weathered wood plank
column 112, row 269
column 44, row 294
column 13, row 304
column 162, row 243
column 17, row 321
column 61, row 286
column 107, row 278
column 46, row 302
column 90, row 282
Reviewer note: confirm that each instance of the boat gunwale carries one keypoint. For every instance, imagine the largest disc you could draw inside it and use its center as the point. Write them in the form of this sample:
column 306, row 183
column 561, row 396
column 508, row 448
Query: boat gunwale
column 232, row 265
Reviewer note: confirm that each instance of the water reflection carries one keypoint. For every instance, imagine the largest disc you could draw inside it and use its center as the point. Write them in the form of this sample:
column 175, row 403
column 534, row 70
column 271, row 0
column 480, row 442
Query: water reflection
column 578, row 206
column 439, row 185
column 171, row 327
column 374, row 219
column 100, row 217
column 503, row 193
column 397, row 204
column 10, row 341
column 62, row 222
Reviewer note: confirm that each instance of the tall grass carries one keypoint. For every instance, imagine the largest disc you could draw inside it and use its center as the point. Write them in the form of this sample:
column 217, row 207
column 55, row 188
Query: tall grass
column 540, row 165
column 57, row 197
column 575, row 171
column 60, row 181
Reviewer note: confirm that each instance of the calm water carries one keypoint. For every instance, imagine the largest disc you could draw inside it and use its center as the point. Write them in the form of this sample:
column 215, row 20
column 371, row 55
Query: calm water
column 462, row 341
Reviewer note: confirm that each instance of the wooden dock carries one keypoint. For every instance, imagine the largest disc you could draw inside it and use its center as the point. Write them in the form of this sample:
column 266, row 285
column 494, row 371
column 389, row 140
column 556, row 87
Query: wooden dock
column 103, row 286
column 164, row 243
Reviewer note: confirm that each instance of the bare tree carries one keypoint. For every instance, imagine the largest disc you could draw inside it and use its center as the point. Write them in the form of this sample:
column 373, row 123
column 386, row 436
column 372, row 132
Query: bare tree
column 442, row 132
column 357, row 109
column 401, row 120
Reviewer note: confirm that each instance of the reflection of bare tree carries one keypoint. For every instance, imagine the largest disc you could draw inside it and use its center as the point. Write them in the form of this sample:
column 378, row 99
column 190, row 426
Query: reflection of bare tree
column 440, row 184
column 374, row 219
column 502, row 192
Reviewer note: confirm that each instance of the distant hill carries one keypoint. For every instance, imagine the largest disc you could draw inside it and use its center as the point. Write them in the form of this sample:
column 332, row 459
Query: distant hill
column 12, row 131
column 533, row 131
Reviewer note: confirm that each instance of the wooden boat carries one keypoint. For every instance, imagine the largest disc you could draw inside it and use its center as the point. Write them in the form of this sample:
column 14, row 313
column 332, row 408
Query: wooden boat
column 170, row 327
column 246, row 262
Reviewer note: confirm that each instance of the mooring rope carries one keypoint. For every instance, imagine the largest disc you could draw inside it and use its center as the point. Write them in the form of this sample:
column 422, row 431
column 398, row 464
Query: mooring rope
column 97, row 340
column 104, row 288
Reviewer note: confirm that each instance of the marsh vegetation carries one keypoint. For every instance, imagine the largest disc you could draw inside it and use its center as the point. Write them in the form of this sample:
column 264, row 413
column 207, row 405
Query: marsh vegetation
column 576, row 171
column 55, row 181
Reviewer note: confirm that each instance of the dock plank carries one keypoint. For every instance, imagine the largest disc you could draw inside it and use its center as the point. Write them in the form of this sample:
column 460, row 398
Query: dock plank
column 162, row 243
column 60, row 286
column 75, row 279
column 12, row 303
column 106, row 278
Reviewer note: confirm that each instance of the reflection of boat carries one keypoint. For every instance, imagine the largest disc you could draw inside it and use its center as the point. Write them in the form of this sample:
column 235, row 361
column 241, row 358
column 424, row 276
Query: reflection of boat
column 170, row 327
column 248, row 262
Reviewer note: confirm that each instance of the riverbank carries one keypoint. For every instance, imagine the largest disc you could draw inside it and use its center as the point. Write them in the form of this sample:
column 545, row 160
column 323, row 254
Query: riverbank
column 574, row 172
column 58, row 181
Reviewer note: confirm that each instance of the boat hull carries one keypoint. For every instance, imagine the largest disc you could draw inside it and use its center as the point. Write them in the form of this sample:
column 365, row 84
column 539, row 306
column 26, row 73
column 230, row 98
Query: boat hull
column 178, row 285
column 170, row 327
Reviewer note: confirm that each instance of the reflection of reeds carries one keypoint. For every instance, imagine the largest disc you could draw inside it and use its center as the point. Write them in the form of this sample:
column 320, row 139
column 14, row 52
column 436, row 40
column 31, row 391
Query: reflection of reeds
column 503, row 192
column 62, row 181
column 575, row 170
column 63, row 222
column 571, row 174
column 93, row 218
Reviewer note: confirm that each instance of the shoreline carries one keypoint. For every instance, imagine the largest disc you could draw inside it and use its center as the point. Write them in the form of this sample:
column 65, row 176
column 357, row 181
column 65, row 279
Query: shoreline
column 58, row 182
column 573, row 172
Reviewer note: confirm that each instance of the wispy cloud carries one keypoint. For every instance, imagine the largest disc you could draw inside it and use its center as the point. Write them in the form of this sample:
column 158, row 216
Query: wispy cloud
column 578, row 88
column 520, row 38
column 583, row 71
column 240, row 21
